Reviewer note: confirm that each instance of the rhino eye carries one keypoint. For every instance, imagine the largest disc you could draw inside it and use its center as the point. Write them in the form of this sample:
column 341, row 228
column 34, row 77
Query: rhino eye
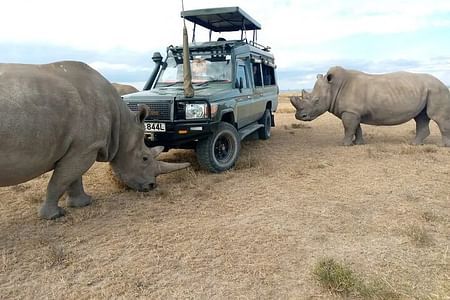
column 145, row 158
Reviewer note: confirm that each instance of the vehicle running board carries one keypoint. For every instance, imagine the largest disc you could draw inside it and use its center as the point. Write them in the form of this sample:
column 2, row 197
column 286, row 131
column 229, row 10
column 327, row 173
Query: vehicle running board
column 249, row 129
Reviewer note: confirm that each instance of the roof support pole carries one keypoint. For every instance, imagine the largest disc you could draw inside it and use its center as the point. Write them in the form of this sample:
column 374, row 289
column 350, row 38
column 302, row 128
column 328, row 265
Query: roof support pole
column 193, row 32
column 243, row 28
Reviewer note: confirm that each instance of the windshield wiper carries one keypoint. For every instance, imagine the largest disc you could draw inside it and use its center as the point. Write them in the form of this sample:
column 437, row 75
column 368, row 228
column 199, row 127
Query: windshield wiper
column 171, row 84
column 211, row 81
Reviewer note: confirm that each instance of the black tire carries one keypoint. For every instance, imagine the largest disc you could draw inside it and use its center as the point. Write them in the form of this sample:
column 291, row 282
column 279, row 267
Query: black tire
column 220, row 150
column 266, row 120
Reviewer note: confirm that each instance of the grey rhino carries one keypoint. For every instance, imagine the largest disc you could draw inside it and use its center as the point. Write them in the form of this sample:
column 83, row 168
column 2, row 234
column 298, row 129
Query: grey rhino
column 388, row 99
column 124, row 89
column 65, row 116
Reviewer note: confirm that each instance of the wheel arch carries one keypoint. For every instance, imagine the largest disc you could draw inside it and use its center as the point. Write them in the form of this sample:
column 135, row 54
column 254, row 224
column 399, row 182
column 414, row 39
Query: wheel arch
column 228, row 117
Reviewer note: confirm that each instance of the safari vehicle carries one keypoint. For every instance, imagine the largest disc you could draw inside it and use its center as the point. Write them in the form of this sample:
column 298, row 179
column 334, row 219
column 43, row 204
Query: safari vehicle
column 235, row 91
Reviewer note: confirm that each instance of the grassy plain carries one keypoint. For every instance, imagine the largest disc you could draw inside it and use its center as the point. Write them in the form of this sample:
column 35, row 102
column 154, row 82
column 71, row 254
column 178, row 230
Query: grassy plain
column 298, row 214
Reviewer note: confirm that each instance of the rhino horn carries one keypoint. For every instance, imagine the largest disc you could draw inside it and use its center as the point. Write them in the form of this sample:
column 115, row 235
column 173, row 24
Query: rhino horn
column 155, row 151
column 294, row 100
column 165, row 167
column 303, row 95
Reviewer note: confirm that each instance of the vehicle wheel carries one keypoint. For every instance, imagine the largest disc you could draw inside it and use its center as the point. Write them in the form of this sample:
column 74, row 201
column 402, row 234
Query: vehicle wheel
column 220, row 150
column 264, row 132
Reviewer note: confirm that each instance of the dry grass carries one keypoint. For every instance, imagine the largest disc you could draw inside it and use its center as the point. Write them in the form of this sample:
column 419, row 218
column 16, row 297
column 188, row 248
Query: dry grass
column 339, row 279
column 430, row 217
column 255, row 232
column 300, row 126
column 335, row 277
column 284, row 104
column 418, row 235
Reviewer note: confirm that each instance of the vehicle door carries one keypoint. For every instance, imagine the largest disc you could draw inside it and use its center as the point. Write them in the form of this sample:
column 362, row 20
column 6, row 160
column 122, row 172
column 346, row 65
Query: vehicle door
column 244, row 100
column 258, row 103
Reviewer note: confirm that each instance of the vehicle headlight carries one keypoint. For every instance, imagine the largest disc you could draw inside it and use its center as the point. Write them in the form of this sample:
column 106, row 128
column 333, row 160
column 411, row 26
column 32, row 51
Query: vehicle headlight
column 196, row 111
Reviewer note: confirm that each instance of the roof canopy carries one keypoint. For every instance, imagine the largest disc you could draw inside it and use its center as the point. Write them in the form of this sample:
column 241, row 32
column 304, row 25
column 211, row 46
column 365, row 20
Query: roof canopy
column 222, row 19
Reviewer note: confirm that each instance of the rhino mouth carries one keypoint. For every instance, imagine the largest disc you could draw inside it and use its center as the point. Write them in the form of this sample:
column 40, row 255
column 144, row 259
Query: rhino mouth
column 140, row 186
column 146, row 187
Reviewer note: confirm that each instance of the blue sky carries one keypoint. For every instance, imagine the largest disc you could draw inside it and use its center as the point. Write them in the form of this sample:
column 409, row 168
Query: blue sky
column 307, row 37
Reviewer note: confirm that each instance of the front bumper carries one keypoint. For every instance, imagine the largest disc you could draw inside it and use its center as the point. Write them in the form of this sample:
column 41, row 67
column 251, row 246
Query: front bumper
column 180, row 135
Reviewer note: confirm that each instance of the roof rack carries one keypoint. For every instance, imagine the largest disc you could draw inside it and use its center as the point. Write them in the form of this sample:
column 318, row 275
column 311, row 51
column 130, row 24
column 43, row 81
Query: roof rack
column 222, row 19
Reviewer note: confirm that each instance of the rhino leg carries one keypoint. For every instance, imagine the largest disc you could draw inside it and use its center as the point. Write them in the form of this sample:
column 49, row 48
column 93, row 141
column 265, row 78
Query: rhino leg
column 67, row 172
column 351, row 123
column 446, row 140
column 444, row 127
column 359, row 136
column 76, row 195
column 442, row 119
column 422, row 127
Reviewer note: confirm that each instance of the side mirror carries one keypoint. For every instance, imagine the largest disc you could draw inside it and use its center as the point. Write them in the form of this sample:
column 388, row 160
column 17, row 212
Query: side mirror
column 157, row 58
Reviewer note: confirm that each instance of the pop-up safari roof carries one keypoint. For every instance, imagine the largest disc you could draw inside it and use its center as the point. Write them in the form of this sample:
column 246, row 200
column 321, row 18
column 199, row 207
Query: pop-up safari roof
column 223, row 19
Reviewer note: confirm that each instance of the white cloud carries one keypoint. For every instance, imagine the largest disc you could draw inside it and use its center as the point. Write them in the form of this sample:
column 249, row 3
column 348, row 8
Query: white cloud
column 296, row 30
column 141, row 25
column 320, row 21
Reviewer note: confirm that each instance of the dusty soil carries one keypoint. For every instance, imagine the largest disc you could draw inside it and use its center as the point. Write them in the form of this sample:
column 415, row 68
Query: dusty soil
column 257, row 231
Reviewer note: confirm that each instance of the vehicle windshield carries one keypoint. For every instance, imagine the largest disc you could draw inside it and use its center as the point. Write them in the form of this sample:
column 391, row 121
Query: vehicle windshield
column 203, row 68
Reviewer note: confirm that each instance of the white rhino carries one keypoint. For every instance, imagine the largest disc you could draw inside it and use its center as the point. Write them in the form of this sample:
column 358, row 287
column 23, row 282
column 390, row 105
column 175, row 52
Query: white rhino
column 388, row 99
column 65, row 116
column 124, row 89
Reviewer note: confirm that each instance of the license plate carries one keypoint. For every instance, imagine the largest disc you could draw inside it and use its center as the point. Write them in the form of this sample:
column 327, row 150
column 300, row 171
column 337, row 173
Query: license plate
column 154, row 127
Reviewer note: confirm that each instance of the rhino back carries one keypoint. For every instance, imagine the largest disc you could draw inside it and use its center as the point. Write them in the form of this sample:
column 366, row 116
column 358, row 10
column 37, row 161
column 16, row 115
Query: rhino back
column 387, row 99
column 48, row 109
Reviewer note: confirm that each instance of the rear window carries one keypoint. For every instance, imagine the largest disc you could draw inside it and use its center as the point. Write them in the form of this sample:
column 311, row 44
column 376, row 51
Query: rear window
column 268, row 75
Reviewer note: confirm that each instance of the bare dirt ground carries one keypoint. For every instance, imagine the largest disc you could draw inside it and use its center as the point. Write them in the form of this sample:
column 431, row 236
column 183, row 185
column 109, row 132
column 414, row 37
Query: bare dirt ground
column 255, row 232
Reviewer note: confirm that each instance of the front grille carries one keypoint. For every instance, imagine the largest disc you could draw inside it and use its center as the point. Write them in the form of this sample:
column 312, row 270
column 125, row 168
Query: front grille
column 158, row 110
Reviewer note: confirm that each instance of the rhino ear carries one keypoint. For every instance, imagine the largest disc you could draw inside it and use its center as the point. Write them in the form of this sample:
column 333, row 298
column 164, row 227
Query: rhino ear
column 155, row 151
column 142, row 113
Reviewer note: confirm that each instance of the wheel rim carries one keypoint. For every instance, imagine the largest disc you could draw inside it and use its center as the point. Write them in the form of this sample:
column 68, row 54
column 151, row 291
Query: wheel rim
column 224, row 148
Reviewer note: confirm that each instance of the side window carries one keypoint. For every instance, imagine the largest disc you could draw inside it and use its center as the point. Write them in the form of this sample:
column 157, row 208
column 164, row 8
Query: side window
column 241, row 73
column 257, row 74
column 268, row 75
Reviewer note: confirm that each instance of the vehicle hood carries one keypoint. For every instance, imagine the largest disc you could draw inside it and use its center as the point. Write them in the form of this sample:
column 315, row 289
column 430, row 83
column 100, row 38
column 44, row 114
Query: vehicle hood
column 211, row 92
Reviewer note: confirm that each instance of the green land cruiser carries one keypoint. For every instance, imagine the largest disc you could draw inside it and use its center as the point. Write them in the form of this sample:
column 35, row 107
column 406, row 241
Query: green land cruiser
column 235, row 91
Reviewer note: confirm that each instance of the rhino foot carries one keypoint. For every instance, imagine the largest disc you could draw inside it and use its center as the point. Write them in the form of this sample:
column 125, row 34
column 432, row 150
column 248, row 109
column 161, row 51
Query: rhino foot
column 359, row 142
column 51, row 213
column 80, row 201
column 347, row 143
column 445, row 141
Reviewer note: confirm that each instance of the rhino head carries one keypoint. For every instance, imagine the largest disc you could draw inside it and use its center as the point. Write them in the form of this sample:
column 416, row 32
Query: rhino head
column 311, row 105
column 135, row 164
